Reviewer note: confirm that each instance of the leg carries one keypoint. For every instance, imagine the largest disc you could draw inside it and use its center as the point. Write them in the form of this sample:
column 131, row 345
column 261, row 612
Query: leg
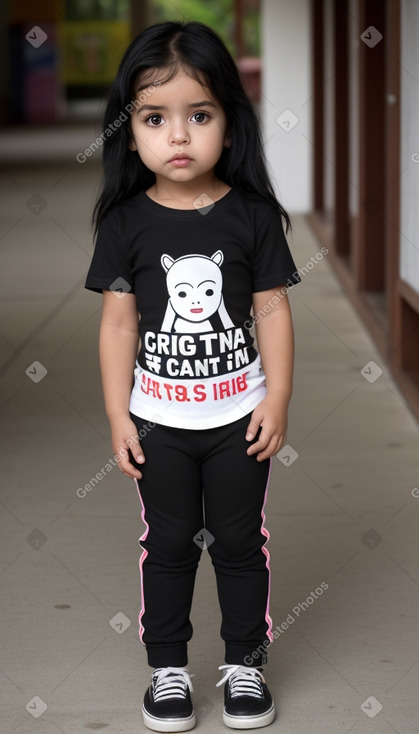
column 235, row 486
column 171, row 495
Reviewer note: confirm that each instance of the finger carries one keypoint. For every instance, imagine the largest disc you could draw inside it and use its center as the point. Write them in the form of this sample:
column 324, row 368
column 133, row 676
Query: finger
column 272, row 449
column 128, row 452
column 269, row 451
column 267, row 454
column 138, row 454
column 252, row 428
column 132, row 474
column 133, row 443
column 129, row 469
column 263, row 440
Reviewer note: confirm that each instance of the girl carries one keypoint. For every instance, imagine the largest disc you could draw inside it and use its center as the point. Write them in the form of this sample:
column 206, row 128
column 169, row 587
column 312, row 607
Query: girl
column 189, row 238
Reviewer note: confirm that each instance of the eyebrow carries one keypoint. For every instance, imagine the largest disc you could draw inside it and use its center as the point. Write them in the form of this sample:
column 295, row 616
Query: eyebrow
column 205, row 102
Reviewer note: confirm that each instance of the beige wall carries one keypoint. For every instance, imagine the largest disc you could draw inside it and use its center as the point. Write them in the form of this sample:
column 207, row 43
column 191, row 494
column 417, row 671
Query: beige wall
column 409, row 181
column 354, row 42
column 286, row 85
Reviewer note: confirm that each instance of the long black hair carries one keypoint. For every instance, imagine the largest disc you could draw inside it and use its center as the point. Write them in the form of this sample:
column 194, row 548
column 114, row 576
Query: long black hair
column 199, row 51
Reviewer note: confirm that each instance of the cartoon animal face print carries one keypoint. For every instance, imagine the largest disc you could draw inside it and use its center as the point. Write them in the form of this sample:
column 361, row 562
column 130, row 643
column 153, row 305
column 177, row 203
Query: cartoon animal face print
column 194, row 284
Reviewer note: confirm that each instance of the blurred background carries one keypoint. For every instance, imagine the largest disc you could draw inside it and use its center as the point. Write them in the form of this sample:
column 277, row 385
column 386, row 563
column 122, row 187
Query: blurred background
column 62, row 72
column 336, row 86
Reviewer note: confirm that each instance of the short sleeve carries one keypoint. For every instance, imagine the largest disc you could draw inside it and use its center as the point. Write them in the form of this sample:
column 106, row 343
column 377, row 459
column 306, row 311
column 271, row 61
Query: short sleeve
column 273, row 264
column 110, row 268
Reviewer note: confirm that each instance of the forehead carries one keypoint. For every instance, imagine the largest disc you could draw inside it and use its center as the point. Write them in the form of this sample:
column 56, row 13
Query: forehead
column 162, row 88
column 194, row 269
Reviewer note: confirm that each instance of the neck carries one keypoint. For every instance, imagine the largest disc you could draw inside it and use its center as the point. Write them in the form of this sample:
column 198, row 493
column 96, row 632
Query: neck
column 183, row 195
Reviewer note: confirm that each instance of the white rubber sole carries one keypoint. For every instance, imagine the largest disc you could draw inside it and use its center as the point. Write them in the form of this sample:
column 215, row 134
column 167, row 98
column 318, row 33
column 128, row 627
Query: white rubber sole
column 167, row 725
column 250, row 722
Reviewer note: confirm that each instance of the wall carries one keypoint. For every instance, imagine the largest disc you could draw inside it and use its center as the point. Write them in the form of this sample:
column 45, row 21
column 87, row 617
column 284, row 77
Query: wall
column 353, row 110
column 409, row 181
column 286, row 85
column 329, row 108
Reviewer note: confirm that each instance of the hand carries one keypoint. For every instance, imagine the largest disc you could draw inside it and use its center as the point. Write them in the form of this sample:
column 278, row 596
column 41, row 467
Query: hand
column 271, row 414
column 124, row 437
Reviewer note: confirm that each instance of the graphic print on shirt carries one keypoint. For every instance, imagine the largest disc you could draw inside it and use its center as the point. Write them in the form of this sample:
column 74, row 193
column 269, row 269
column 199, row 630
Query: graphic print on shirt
column 194, row 284
column 197, row 338
column 194, row 369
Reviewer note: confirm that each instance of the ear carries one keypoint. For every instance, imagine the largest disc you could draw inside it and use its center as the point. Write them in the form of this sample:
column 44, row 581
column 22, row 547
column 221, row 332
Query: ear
column 217, row 257
column 227, row 140
column 132, row 144
column 166, row 262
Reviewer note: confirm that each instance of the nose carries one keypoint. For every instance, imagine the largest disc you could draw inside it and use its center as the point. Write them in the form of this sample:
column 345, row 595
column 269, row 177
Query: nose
column 179, row 133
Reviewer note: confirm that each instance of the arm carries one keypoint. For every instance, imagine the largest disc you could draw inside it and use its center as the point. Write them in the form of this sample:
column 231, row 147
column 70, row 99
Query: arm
column 275, row 337
column 118, row 345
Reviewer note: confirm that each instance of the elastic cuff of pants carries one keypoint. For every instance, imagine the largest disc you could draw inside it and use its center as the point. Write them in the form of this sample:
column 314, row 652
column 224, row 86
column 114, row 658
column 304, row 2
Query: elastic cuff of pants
column 250, row 656
column 163, row 656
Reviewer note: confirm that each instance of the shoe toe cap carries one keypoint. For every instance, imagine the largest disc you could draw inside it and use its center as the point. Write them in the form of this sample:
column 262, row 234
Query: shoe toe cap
column 248, row 705
column 176, row 708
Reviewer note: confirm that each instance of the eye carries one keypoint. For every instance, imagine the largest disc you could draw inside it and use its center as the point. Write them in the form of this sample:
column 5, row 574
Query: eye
column 209, row 292
column 154, row 120
column 200, row 116
column 182, row 294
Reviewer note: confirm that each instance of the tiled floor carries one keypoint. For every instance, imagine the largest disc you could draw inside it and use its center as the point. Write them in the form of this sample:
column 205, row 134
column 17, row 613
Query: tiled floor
column 344, row 514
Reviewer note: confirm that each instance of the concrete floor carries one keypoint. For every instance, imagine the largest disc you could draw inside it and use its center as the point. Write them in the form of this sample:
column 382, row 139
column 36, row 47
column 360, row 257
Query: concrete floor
column 345, row 513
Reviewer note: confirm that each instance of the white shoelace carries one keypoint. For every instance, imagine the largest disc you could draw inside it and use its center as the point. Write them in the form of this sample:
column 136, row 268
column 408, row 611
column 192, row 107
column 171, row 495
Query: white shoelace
column 170, row 683
column 243, row 681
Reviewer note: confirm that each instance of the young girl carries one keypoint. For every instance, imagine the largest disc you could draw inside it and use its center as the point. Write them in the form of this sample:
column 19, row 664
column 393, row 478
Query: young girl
column 189, row 238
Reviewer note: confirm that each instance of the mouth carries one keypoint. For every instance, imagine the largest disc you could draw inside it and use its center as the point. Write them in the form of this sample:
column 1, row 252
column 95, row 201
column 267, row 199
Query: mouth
column 179, row 156
column 197, row 310
column 180, row 159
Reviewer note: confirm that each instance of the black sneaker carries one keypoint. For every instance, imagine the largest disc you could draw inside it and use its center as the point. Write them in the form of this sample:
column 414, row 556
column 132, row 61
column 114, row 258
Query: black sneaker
column 167, row 702
column 247, row 701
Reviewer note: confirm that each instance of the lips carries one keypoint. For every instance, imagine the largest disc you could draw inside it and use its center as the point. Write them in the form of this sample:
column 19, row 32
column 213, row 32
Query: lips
column 180, row 160
column 197, row 310
column 180, row 157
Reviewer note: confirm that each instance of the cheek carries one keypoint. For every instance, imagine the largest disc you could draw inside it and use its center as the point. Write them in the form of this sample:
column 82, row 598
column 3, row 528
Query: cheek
column 212, row 302
column 145, row 142
column 182, row 306
column 181, row 303
column 219, row 131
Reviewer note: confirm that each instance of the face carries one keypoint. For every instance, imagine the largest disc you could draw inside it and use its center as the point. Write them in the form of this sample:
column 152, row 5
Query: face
column 180, row 130
column 194, row 285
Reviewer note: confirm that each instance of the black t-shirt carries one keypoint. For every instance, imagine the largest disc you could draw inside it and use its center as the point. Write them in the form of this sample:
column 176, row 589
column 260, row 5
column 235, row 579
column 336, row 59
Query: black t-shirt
column 193, row 273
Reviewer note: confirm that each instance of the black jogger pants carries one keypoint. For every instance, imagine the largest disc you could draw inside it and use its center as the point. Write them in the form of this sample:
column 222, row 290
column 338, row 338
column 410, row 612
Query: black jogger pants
column 201, row 489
